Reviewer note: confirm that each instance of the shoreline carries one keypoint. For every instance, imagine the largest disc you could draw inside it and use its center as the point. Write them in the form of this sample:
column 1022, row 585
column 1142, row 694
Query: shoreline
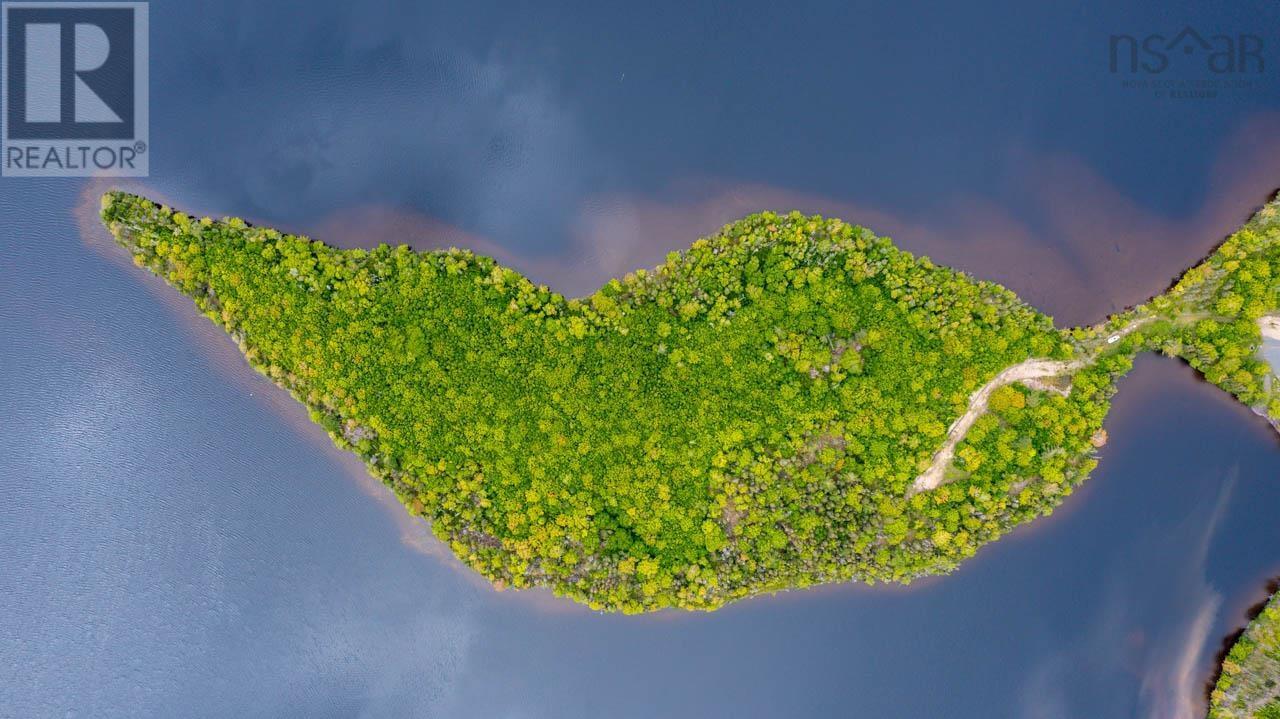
column 1024, row 372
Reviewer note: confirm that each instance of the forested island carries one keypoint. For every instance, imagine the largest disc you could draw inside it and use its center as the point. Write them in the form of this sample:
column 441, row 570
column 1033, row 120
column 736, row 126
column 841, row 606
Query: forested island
column 791, row 401
column 1249, row 686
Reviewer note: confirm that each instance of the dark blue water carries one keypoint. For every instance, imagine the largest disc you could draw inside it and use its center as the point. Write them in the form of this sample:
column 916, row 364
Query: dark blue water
column 177, row 540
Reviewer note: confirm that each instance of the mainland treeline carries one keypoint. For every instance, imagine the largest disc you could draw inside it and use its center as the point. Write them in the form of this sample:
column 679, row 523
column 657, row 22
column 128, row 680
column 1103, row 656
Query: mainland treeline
column 1212, row 314
column 1249, row 686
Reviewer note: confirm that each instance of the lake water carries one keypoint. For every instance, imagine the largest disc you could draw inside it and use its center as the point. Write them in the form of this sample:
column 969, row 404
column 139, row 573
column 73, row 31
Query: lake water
column 176, row 539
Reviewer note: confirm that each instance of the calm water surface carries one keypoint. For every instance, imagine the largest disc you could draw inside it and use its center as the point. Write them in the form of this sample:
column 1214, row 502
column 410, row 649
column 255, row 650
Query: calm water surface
column 177, row 540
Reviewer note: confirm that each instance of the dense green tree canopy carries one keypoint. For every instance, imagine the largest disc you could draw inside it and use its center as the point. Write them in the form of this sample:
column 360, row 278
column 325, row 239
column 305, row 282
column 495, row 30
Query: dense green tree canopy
column 747, row 417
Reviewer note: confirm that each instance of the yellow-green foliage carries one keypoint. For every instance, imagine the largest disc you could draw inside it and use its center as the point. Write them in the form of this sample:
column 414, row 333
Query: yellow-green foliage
column 1220, row 303
column 747, row 417
column 1249, row 686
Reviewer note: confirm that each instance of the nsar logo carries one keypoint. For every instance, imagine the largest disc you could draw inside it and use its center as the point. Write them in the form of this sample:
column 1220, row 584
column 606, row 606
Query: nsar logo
column 75, row 89
column 1154, row 53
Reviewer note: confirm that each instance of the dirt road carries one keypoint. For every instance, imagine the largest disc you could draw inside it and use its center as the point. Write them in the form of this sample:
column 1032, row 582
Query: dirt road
column 1029, row 371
